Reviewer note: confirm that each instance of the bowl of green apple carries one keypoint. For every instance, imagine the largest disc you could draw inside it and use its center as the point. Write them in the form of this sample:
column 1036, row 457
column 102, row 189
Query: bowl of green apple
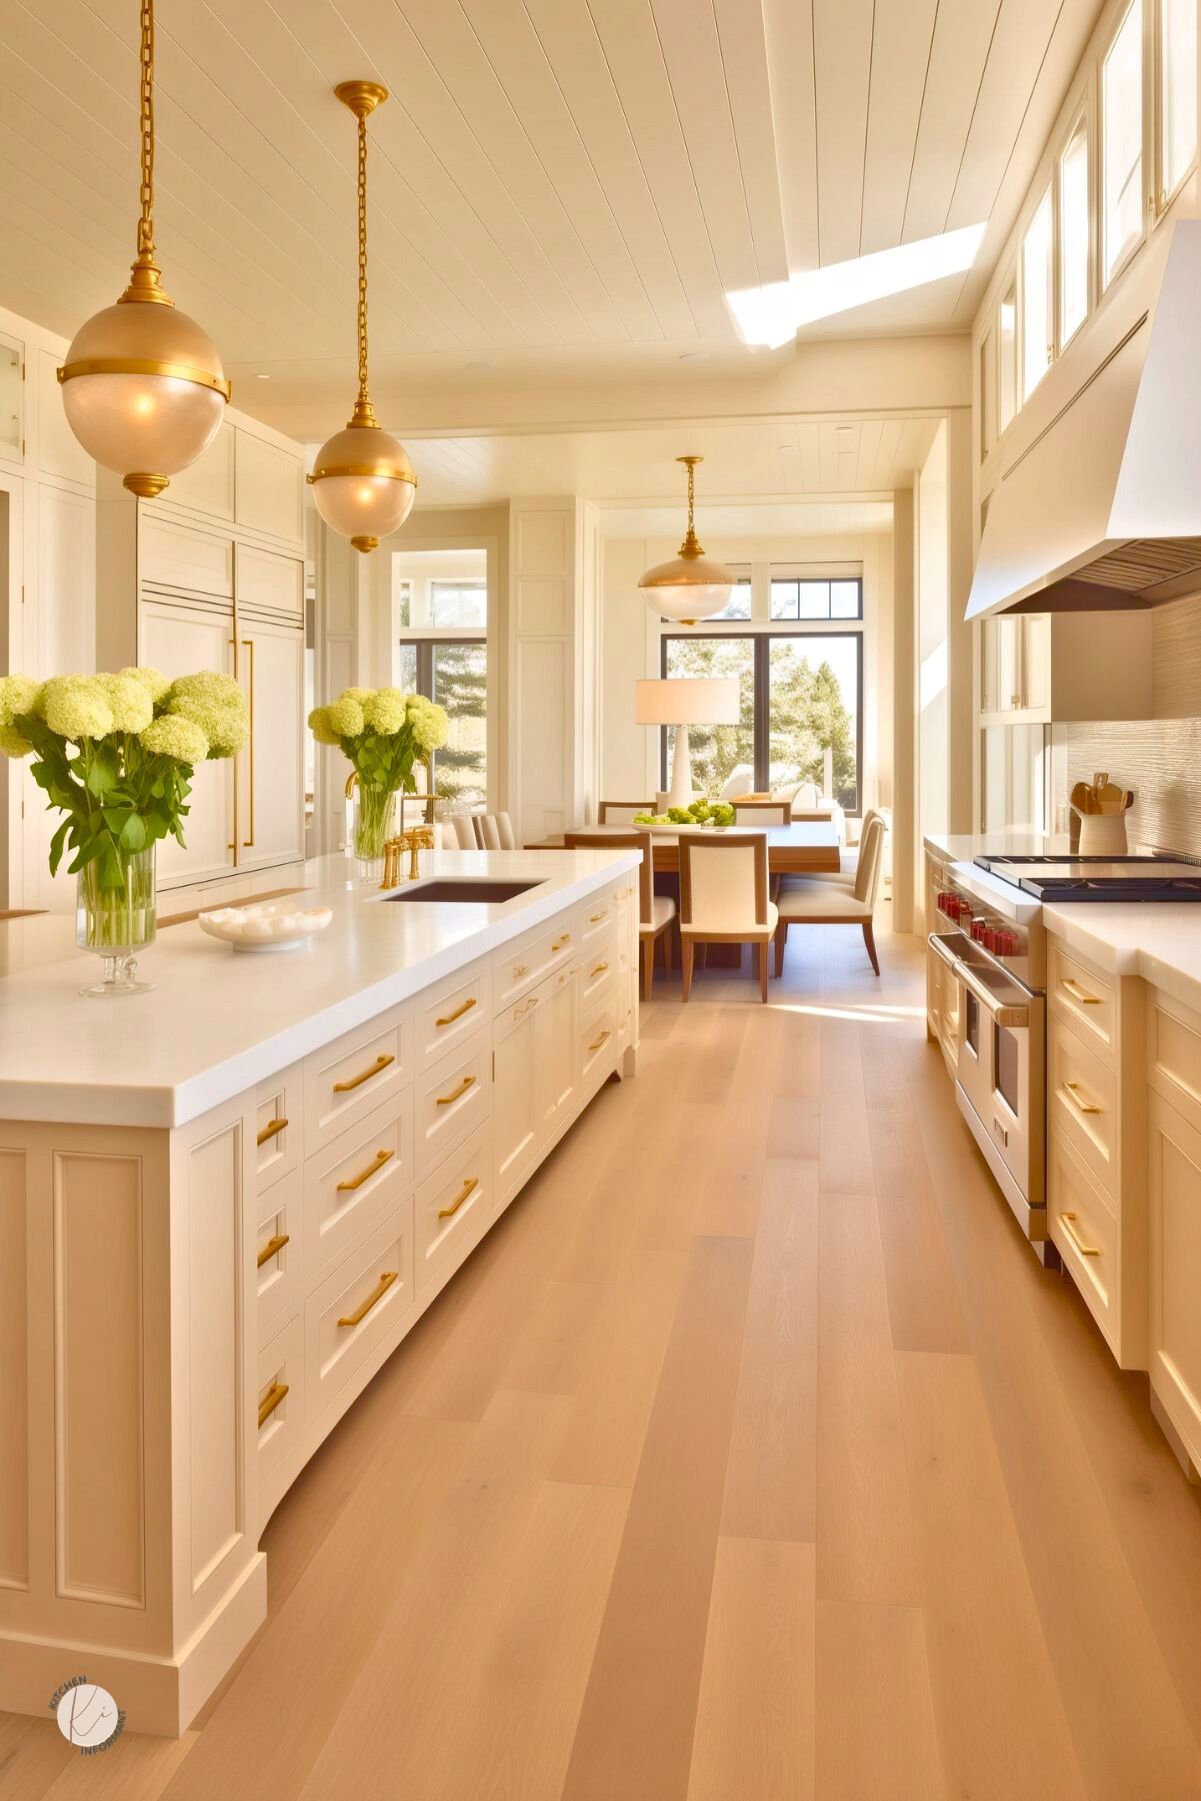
column 717, row 814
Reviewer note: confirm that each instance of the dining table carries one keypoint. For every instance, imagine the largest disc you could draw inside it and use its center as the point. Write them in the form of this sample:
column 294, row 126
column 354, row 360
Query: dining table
column 804, row 847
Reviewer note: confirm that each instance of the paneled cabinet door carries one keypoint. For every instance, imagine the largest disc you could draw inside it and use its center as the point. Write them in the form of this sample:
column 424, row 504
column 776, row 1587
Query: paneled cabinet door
column 181, row 640
column 271, row 769
column 1174, row 1192
column 516, row 1131
column 555, row 1035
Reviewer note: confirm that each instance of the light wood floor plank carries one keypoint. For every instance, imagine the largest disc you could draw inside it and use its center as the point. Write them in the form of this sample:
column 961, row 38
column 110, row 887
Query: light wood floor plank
column 844, row 1147
column 636, row 1724
column 755, row 1720
column 135, row 1768
column 876, row 1739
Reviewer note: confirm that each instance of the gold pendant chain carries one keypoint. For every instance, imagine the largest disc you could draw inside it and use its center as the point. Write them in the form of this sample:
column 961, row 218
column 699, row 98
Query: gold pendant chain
column 691, row 497
column 362, row 315
column 146, row 125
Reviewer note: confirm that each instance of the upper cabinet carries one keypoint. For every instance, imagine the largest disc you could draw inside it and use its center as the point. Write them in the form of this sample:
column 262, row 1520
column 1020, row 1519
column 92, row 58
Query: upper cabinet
column 207, row 486
column 1059, row 667
column 268, row 488
column 59, row 451
column 12, row 398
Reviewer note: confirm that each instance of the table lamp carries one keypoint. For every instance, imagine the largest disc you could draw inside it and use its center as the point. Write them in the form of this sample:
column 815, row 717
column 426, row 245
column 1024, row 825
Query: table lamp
column 685, row 701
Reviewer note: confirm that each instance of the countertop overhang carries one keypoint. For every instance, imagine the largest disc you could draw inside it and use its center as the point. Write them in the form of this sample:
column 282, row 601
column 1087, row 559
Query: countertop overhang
column 220, row 1021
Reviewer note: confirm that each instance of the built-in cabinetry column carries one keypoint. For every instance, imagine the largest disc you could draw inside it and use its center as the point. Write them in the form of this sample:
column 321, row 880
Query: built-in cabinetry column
column 547, row 755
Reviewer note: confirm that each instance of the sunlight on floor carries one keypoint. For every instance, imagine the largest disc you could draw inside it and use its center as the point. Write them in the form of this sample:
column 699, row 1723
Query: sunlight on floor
column 872, row 1014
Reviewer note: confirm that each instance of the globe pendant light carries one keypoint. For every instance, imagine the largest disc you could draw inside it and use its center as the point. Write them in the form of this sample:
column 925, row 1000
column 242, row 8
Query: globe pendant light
column 143, row 387
column 363, row 481
column 691, row 586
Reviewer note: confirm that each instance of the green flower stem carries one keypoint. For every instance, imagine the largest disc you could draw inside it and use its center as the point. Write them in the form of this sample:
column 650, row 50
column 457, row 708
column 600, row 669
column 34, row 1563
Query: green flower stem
column 374, row 819
column 114, row 917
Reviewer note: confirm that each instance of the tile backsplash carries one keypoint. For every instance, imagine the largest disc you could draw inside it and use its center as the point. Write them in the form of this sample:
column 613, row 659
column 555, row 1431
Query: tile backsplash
column 1160, row 758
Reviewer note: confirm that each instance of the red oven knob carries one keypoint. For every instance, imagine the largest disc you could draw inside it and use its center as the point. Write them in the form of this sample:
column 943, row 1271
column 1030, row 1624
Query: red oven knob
column 989, row 939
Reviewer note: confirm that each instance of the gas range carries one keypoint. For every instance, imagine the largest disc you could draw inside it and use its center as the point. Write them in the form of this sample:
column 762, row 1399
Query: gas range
column 1073, row 878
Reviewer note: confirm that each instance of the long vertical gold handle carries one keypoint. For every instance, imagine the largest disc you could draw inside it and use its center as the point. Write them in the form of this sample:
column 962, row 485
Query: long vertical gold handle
column 248, row 843
column 271, row 1401
column 233, row 761
column 1069, row 1226
column 364, row 1307
column 469, row 1188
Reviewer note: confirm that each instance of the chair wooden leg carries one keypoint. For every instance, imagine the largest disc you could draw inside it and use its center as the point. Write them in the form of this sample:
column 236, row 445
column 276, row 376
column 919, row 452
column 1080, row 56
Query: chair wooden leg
column 703, row 959
column 648, row 967
column 761, row 953
column 781, row 935
column 686, row 948
column 871, row 945
column 666, row 936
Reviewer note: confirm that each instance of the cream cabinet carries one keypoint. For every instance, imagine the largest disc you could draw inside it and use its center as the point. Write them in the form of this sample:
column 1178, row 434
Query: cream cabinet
column 1059, row 667
column 12, row 399
column 515, row 1110
column 1174, row 1196
column 555, row 1069
column 177, row 637
column 270, row 773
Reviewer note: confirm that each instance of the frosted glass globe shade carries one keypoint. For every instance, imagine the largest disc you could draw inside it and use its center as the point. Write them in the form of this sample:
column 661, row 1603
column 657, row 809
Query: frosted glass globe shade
column 687, row 588
column 363, row 484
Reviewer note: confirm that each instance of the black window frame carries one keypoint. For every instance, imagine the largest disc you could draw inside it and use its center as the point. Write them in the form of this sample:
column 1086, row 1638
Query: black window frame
column 761, row 641
column 816, row 581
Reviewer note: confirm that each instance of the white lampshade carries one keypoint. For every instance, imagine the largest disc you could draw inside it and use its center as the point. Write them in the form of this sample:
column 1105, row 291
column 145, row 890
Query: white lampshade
column 688, row 700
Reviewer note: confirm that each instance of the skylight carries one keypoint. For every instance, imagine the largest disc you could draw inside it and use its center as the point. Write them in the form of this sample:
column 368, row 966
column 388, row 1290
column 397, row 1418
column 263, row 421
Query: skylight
column 773, row 314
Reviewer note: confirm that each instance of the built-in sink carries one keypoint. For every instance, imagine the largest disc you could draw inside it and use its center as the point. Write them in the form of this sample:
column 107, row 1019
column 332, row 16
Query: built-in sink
column 481, row 891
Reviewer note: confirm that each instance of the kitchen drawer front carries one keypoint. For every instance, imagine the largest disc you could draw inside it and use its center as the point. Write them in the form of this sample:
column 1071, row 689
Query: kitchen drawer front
column 351, row 1182
column 363, row 1300
column 1174, row 1054
column 452, row 1209
column 517, row 969
column 279, row 1125
column 279, row 1250
column 281, row 1430
column 1083, row 1103
column 596, row 918
column 598, row 966
column 451, row 1100
column 1080, row 993
column 598, row 1041
column 177, row 557
column 1174, row 1197
column 448, row 1015
column 1083, row 1228
column 353, row 1076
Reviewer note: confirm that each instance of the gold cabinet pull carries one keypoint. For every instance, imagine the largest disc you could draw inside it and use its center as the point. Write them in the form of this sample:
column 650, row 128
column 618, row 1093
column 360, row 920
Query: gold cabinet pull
column 458, row 1013
column 1078, row 993
column 444, row 1100
column 357, row 1081
column 469, row 1188
column 381, row 1157
column 272, row 1247
column 364, row 1307
column 271, row 1130
column 595, row 918
column 248, row 843
column 519, row 970
column 599, row 970
column 271, row 1401
column 560, row 942
column 1072, row 1091
column 1069, row 1226
column 599, row 1042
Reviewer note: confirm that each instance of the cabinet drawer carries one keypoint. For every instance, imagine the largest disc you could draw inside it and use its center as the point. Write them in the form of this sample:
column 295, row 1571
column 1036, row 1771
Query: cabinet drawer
column 1083, row 1103
column 598, row 1041
column 1174, row 1054
column 279, row 1250
column 598, row 966
column 354, row 1075
column 351, row 1182
column 449, row 1014
column 450, row 1100
column 281, row 1414
column 1084, row 1231
column 517, row 969
column 361, row 1302
column 279, row 1125
column 596, row 918
column 176, row 556
column 452, row 1208
column 1079, row 993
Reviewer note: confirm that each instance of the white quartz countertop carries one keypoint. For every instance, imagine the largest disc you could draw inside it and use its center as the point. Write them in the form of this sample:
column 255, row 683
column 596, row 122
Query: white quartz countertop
column 1159, row 942
column 220, row 1021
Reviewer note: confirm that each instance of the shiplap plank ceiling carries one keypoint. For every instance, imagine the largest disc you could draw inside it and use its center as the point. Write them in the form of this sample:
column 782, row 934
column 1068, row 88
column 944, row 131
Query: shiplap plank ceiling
column 579, row 179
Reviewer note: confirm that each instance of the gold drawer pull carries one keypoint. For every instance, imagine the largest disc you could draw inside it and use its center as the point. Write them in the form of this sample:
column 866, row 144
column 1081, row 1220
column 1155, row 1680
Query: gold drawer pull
column 599, row 1042
column 520, row 969
column 381, row 1157
column 444, row 1100
column 357, row 1081
column 599, row 970
column 364, row 1307
column 457, row 1014
column 271, row 1130
column 1072, row 1090
column 1072, row 987
column 595, row 918
column 560, row 942
column 271, row 1401
column 272, row 1247
column 1069, row 1226
column 469, row 1187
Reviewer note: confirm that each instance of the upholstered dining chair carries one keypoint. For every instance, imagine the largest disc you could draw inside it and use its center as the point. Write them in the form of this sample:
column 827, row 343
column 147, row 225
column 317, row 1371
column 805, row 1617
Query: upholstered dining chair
column 762, row 812
column 458, row 832
column 508, row 835
column 487, row 832
column 843, row 877
column 621, row 812
column 723, row 896
column 655, row 911
column 813, row 900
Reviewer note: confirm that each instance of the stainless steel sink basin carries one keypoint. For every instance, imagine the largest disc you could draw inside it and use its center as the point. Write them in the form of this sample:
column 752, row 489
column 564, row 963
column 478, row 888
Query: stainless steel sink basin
column 480, row 891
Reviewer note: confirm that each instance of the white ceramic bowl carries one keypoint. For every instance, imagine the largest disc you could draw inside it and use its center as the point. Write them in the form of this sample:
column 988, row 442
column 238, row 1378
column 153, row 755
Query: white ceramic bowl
column 280, row 925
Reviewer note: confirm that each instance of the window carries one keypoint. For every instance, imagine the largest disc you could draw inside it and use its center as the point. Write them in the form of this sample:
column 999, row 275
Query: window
column 988, row 394
column 1007, row 325
column 801, row 698
column 1038, row 346
column 440, row 609
column 806, row 599
column 739, row 604
column 1073, row 234
column 1177, row 66
column 1122, row 143
column 458, row 603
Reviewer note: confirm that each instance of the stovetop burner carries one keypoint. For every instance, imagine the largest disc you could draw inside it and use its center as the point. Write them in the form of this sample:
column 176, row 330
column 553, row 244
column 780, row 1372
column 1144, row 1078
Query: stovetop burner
column 1133, row 878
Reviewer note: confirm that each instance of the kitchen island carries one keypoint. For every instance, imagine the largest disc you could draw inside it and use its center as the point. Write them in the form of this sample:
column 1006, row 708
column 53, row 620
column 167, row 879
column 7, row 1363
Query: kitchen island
column 225, row 1203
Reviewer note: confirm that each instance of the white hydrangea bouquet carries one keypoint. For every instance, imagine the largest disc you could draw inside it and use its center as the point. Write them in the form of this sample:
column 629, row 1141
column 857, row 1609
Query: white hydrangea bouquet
column 382, row 732
column 115, row 754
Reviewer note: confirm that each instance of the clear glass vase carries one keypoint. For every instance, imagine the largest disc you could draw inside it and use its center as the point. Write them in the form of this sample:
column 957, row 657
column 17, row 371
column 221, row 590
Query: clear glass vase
column 374, row 824
column 114, row 917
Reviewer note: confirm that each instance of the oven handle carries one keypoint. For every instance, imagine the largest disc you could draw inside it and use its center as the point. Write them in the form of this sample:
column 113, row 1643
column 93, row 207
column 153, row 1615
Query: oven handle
column 1017, row 1018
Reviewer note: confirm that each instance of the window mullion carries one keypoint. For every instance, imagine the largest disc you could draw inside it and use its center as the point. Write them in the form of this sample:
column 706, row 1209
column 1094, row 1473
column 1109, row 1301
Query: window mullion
column 762, row 711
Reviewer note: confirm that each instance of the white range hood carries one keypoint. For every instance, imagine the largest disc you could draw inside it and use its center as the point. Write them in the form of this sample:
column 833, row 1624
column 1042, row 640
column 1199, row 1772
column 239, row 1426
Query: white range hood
column 1099, row 501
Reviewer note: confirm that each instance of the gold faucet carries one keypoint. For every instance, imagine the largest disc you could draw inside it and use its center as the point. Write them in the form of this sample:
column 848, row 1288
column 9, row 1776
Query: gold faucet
column 416, row 839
